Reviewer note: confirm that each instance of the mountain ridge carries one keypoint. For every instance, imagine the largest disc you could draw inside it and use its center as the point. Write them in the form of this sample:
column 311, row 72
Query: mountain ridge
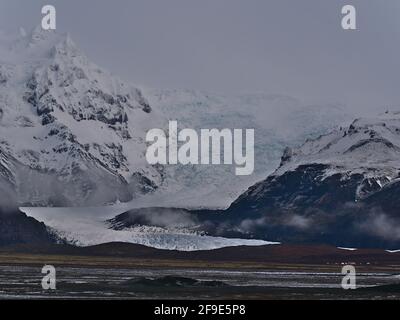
column 339, row 189
column 76, row 133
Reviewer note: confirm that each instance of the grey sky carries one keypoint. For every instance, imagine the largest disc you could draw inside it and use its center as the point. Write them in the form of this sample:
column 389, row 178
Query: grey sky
column 277, row 46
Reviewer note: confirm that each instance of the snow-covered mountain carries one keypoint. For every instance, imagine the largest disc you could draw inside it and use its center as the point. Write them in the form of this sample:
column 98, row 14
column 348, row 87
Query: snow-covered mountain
column 70, row 132
column 341, row 188
column 370, row 147
column 73, row 134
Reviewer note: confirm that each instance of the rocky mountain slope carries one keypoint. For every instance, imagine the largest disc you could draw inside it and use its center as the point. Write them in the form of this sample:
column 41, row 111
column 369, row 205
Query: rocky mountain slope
column 341, row 188
column 71, row 133
column 16, row 227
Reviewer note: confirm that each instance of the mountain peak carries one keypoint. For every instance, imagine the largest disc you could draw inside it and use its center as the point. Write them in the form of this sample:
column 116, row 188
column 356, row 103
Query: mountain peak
column 66, row 47
column 38, row 35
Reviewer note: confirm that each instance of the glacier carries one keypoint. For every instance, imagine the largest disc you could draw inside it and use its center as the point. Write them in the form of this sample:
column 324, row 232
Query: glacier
column 88, row 227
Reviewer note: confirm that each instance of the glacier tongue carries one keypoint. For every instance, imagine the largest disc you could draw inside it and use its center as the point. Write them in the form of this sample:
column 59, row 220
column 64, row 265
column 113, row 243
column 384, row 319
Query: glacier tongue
column 87, row 226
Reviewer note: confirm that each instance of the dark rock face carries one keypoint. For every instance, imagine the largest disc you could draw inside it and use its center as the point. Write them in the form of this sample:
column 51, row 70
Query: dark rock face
column 388, row 199
column 305, row 206
column 17, row 228
column 304, row 188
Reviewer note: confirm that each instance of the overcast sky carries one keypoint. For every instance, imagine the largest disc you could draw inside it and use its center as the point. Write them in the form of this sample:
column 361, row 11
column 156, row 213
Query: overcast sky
column 294, row 47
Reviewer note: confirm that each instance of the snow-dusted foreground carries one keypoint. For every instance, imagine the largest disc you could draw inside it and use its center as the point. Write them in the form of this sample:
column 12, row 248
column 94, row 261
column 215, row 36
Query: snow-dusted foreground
column 88, row 226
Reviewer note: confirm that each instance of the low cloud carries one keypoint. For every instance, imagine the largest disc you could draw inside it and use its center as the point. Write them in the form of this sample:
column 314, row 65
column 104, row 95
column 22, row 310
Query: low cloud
column 249, row 225
column 298, row 222
column 289, row 220
column 380, row 225
column 160, row 217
